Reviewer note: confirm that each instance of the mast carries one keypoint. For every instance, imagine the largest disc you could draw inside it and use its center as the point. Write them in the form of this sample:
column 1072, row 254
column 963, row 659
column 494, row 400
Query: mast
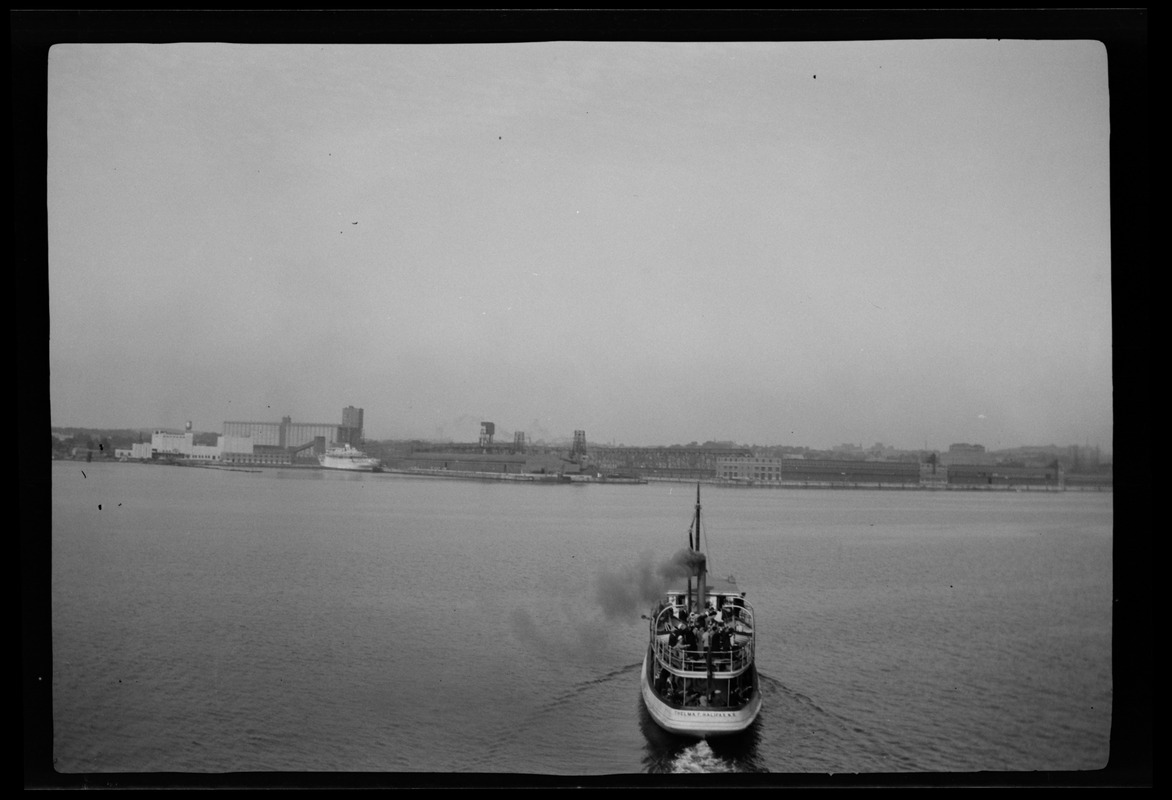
column 701, row 589
column 689, row 605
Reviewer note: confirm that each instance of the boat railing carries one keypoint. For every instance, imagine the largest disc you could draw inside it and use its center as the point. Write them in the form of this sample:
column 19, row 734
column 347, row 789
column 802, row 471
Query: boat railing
column 736, row 615
column 732, row 660
column 723, row 661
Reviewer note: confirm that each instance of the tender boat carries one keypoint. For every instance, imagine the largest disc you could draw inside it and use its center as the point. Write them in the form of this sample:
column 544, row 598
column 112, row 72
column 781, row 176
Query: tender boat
column 699, row 675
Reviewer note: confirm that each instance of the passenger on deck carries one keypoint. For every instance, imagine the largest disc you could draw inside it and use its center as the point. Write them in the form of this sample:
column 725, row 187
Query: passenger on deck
column 706, row 639
column 663, row 682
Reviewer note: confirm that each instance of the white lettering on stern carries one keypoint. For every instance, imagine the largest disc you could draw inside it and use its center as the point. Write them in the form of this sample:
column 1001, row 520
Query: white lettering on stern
column 707, row 714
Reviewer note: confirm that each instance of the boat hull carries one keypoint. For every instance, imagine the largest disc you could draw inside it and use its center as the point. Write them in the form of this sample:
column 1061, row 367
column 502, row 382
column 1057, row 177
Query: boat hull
column 352, row 464
column 701, row 723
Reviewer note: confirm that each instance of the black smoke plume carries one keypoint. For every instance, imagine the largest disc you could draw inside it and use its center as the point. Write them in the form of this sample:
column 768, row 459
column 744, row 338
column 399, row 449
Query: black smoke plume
column 624, row 594
column 630, row 591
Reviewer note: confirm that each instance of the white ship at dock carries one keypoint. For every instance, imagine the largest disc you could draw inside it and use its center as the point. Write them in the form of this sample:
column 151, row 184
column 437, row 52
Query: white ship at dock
column 347, row 457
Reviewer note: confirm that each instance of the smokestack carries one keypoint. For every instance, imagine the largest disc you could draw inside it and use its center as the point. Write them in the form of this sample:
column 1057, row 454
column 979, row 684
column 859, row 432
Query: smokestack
column 702, row 589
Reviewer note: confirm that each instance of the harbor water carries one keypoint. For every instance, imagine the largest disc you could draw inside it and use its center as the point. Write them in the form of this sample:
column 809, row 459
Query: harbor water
column 210, row 621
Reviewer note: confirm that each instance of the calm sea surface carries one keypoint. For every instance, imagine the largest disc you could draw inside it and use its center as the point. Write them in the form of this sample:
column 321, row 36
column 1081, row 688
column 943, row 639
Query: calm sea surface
column 211, row 621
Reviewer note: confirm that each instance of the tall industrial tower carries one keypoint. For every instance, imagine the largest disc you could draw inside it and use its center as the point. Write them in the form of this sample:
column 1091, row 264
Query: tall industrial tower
column 351, row 432
column 578, row 450
column 487, row 429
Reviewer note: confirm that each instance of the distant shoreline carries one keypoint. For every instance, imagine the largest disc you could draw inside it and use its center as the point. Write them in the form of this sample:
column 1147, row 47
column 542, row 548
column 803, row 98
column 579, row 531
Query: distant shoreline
column 518, row 477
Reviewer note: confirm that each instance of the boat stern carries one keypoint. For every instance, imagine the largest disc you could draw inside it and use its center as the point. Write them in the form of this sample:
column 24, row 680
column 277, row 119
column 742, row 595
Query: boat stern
column 698, row 722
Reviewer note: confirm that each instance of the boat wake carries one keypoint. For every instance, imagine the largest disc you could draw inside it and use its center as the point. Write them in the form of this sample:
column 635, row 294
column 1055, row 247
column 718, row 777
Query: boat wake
column 594, row 703
column 573, row 695
column 826, row 732
column 699, row 758
column 667, row 754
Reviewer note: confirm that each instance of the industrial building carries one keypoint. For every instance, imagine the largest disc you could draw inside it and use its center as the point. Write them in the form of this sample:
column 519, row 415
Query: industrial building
column 288, row 442
column 287, row 434
column 964, row 453
column 795, row 470
column 486, row 456
column 664, row 463
column 170, row 444
column 178, row 445
column 1001, row 475
column 258, row 443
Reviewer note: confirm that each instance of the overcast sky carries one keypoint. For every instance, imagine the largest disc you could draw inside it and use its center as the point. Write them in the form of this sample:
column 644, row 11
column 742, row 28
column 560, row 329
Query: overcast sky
column 658, row 243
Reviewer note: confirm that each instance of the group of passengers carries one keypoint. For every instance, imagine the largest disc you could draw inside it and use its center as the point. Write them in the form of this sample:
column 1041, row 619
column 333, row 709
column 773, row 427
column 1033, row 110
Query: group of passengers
column 705, row 632
column 696, row 638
